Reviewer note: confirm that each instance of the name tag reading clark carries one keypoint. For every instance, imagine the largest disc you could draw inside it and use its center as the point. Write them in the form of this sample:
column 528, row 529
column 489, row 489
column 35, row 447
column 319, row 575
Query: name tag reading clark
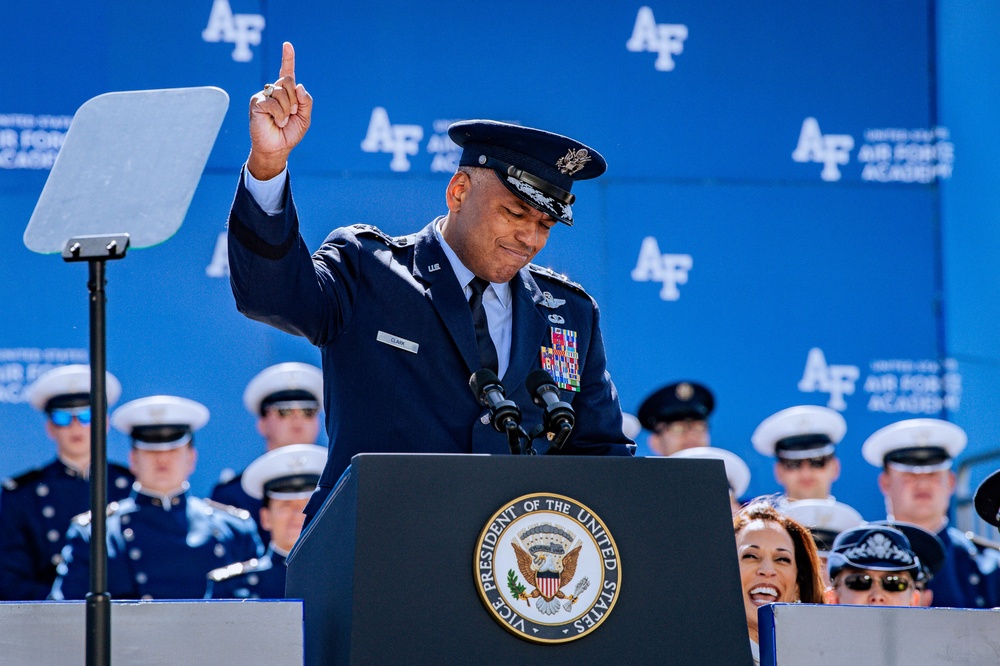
column 394, row 341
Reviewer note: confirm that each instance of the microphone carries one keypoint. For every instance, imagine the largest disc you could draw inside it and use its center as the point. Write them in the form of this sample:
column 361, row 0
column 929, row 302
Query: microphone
column 504, row 414
column 558, row 416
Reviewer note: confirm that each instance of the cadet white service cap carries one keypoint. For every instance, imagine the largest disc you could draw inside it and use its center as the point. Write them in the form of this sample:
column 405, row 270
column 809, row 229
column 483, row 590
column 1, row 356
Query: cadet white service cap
column 915, row 445
column 68, row 386
column 825, row 518
column 798, row 433
column 295, row 385
column 160, row 422
column 288, row 472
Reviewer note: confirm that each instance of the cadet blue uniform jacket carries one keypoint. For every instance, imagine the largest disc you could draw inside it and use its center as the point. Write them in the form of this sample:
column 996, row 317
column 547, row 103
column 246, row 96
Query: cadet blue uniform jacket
column 970, row 575
column 262, row 578
column 157, row 549
column 362, row 287
column 35, row 511
column 231, row 493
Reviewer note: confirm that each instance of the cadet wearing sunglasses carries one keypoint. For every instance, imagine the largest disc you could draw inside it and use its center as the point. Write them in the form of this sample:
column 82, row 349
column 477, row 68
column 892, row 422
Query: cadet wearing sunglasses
column 803, row 440
column 36, row 507
column 873, row 565
column 286, row 399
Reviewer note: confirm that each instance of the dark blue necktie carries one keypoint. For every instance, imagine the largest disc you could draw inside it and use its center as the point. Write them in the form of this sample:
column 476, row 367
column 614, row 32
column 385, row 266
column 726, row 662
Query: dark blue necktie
column 487, row 351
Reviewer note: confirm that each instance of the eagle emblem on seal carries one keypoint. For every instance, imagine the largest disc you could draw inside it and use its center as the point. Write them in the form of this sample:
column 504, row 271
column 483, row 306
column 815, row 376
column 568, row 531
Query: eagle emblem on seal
column 548, row 563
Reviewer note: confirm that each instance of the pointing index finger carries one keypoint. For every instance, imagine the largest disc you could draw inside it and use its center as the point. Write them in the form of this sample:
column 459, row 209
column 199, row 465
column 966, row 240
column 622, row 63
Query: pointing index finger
column 287, row 61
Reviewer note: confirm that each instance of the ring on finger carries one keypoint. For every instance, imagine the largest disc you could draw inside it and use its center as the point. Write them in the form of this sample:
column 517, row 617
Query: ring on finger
column 268, row 89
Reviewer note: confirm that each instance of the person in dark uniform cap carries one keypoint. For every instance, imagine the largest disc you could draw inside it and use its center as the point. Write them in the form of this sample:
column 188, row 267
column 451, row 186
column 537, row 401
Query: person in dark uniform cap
column 162, row 540
column 283, row 480
column 916, row 456
column 873, row 565
column 36, row 507
column 402, row 322
column 286, row 400
column 803, row 440
column 930, row 551
column 677, row 417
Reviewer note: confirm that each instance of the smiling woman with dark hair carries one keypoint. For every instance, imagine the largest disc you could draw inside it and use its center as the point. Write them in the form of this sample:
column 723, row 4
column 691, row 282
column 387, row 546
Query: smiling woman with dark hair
column 778, row 562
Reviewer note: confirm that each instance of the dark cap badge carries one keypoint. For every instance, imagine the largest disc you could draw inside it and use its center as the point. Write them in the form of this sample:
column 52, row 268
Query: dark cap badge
column 547, row 568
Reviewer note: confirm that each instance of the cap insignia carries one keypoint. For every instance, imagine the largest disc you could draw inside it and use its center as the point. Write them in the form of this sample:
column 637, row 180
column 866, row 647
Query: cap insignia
column 880, row 547
column 684, row 391
column 573, row 161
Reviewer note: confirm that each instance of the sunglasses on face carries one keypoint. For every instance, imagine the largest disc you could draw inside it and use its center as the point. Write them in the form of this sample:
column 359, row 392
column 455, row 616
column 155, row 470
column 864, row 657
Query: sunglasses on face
column 63, row 417
column 863, row 583
column 814, row 463
column 285, row 412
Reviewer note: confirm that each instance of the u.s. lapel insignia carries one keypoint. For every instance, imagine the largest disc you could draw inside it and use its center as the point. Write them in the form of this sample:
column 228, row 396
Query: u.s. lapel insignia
column 562, row 360
column 573, row 161
column 433, row 267
column 547, row 568
column 548, row 301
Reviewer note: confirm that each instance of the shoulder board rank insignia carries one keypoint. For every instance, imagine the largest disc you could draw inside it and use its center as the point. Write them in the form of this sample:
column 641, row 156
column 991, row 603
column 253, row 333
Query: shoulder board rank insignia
column 9, row 484
column 558, row 277
column 562, row 360
column 547, row 568
column 242, row 514
column 374, row 232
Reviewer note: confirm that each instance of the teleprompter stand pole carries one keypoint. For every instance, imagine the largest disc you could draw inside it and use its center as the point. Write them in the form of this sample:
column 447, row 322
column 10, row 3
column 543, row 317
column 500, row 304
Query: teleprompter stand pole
column 96, row 250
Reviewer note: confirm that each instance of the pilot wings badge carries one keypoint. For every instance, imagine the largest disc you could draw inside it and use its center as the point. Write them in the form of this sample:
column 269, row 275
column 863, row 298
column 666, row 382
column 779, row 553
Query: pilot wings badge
column 532, row 553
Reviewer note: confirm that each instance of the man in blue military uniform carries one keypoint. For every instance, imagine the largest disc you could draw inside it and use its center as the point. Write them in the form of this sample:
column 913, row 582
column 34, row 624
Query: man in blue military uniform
column 403, row 322
column 36, row 507
column 282, row 480
column 162, row 541
column 285, row 398
column 916, row 457
column 676, row 416
column 803, row 441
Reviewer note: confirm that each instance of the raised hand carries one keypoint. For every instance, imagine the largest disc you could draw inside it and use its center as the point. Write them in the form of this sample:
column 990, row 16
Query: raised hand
column 279, row 117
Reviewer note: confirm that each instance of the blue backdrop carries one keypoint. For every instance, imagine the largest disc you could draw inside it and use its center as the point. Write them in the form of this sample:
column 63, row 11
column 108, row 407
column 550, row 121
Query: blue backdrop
column 798, row 208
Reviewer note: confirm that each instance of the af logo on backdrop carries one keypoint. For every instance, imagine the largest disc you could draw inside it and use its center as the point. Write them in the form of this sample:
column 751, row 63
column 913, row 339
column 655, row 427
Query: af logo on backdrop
column 837, row 380
column 668, row 269
column 664, row 39
column 241, row 30
column 830, row 150
column 403, row 141
column 888, row 155
column 547, row 568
